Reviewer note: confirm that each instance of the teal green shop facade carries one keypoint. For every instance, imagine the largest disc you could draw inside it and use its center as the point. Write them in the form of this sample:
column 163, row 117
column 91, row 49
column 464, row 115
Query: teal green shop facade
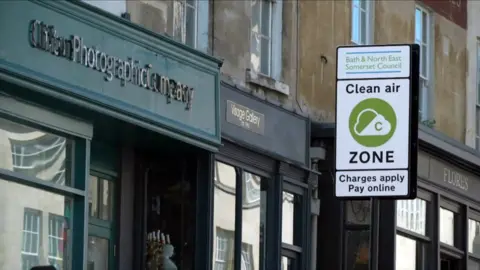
column 90, row 106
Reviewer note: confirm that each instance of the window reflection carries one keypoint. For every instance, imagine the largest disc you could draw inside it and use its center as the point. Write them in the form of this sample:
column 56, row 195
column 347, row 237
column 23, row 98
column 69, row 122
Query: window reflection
column 474, row 237
column 100, row 198
column 288, row 217
column 405, row 253
column 224, row 215
column 287, row 263
column 97, row 253
column 34, row 230
column 34, row 153
column 253, row 219
column 358, row 212
column 411, row 215
column 447, row 224
column 357, row 250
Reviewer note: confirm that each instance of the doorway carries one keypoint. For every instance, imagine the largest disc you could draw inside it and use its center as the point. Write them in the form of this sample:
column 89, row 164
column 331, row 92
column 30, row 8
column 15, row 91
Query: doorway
column 169, row 184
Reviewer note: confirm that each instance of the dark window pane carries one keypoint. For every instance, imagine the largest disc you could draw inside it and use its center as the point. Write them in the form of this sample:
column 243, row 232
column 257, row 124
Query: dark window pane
column 224, row 216
column 357, row 212
column 357, row 250
column 35, row 153
column 254, row 217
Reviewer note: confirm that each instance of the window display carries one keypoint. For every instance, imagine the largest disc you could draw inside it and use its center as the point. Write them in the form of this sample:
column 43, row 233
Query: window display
column 171, row 213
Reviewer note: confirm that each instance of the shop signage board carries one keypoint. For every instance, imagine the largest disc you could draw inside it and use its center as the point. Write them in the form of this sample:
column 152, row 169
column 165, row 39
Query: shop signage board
column 376, row 121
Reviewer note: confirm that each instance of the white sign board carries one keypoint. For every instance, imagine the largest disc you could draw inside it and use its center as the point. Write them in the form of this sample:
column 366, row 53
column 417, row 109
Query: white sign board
column 374, row 121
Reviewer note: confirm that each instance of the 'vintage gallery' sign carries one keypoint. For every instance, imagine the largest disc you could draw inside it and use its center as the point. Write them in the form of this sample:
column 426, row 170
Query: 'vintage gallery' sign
column 45, row 37
column 245, row 117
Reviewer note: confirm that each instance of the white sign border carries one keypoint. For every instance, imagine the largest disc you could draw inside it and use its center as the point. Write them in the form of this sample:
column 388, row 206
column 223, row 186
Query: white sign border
column 413, row 132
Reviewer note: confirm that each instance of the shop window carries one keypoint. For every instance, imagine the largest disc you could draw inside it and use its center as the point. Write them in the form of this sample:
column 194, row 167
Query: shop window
column 474, row 237
column 293, row 223
column 101, row 241
column 358, row 212
column 98, row 253
column 254, row 218
column 247, row 257
column 447, row 226
column 413, row 236
column 33, row 153
column 170, row 184
column 31, row 238
column 251, row 252
column 357, row 234
column 56, row 230
column 410, row 253
column 224, row 215
column 223, row 252
column 36, row 165
column 31, row 234
column 411, row 215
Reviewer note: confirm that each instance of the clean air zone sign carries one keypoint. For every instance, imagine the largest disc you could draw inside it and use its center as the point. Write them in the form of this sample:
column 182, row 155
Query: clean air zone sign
column 376, row 121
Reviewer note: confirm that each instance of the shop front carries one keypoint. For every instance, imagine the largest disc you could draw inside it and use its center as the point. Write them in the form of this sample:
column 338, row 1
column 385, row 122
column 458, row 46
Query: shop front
column 263, row 185
column 107, row 138
column 440, row 229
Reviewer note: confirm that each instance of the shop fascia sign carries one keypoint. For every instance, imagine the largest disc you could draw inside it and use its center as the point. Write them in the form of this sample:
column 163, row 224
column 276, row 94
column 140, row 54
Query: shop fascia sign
column 45, row 38
column 376, row 121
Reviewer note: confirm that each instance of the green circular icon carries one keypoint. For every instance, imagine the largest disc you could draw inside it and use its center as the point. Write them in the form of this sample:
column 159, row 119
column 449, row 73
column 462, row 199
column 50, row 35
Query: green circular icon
column 372, row 122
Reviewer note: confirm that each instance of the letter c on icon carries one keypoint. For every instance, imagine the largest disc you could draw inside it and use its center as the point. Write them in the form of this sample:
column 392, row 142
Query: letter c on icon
column 378, row 126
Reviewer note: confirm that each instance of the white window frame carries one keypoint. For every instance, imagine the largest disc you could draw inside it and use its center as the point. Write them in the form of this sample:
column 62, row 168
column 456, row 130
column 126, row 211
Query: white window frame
column 274, row 66
column 477, row 103
column 426, row 79
column 31, row 251
column 200, row 18
column 117, row 7
column 365, row 26
column 55, row 222
column 221, row 253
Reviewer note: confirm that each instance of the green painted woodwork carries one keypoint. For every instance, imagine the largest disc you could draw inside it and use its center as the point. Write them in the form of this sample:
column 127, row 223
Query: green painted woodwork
column 19, row 62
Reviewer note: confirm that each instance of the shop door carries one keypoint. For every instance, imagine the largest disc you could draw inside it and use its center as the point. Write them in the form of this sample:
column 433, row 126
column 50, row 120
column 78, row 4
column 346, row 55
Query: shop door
column 101, row 241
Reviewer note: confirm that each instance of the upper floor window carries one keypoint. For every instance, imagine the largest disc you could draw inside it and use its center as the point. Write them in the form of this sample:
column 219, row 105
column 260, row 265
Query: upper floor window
column 361, row 12
column 477, row 133
column 185, row 21
column 266, row 37
column 423, row 38
column 31, row 238
column 117, row 7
